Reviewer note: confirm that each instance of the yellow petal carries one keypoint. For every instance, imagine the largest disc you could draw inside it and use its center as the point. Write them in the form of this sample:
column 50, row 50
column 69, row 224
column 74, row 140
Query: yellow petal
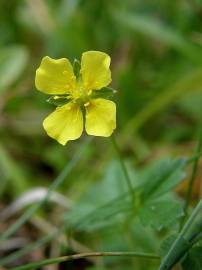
column 100, row 117
column 95, row 70
column 65, row 123
column 55, row 76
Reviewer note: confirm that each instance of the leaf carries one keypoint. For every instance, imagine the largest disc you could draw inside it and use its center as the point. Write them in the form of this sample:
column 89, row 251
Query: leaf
column 160, row 213
column 13, row 61
column 193, row 260
column 154, row 28
column 11, row 171
column 108, row 201
column 189, row 82
column 182, row 244
column 100, row 206
column 162, row 177
column 105, row 92
column 58, row 100
column 77, row 68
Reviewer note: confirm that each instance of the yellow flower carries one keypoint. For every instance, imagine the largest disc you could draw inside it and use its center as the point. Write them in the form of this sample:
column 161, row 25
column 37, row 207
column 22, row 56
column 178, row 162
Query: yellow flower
column 56, row 77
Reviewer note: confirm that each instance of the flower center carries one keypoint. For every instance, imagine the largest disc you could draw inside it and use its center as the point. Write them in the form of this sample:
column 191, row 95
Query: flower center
column 80, row 95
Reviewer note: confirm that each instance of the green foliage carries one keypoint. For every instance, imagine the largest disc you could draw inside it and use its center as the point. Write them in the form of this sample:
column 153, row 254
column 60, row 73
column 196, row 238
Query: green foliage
column 165, row 175
column 101, row 206
column 166, row 244
column 76, row 68
column 58, row 100
column 161, row 213
column 155, row 48
column 13, row 61
column 105, row 92
column 151, row 27
column 193, row 259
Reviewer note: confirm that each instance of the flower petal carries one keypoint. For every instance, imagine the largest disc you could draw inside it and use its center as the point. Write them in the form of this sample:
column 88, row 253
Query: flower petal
column 65, row 123
column 100, row 117
column 55, row 76
column 95, row 70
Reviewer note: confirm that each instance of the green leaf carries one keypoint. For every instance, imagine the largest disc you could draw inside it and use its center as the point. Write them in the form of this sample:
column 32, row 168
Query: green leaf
column 154, row 28
column 13, row 61
column 189, row 82
column 76, row 68
column 95, row 210
column 162, row 177
column 102, row 206
column 105, row 92
column 193, row 260
column 160, row 213
column 58, row 100
column 182, row 243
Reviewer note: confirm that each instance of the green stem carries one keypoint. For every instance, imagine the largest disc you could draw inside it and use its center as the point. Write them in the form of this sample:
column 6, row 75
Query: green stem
column 85, row 255
column 193, row 176
column 56, row 183
column 124, row 169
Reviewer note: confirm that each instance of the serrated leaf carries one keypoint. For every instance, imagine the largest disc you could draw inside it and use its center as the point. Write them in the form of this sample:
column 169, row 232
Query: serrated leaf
column 160, row 213
column 58, row 100
column 193, row 259
column 105, row 92
column 162, row 177
column 102, row 206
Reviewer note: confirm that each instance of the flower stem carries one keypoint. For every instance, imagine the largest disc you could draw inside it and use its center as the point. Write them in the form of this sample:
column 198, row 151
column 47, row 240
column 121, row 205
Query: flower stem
column 85, row 255
column 123, row 167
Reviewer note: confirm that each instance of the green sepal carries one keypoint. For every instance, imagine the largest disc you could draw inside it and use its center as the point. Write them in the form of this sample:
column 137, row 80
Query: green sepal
column 58, row 100
column 77, row 68
column 105, row 92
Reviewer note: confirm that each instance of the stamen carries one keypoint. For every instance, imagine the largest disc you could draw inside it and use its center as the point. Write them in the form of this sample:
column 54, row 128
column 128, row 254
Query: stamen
column 87, row 104
column 90, row 92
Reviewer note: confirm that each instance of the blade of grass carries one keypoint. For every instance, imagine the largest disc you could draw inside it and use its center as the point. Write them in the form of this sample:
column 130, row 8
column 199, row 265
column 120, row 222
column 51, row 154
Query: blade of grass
column 56, row 183
column 86, row 255
column 178, row 248
column 150, row 26
column 123, row 167
column 18, row 254
column 189, row 82
column 29, row 248
column 44, row 240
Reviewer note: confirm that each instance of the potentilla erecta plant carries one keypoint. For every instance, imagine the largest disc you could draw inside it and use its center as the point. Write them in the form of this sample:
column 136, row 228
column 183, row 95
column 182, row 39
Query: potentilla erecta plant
column 81, row 95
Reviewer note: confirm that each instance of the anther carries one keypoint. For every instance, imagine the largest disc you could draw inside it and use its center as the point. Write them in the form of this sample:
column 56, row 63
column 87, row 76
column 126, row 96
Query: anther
column 87, row 104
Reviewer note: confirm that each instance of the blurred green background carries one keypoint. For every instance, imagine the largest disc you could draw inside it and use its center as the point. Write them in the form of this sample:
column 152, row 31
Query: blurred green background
column 156, row 52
